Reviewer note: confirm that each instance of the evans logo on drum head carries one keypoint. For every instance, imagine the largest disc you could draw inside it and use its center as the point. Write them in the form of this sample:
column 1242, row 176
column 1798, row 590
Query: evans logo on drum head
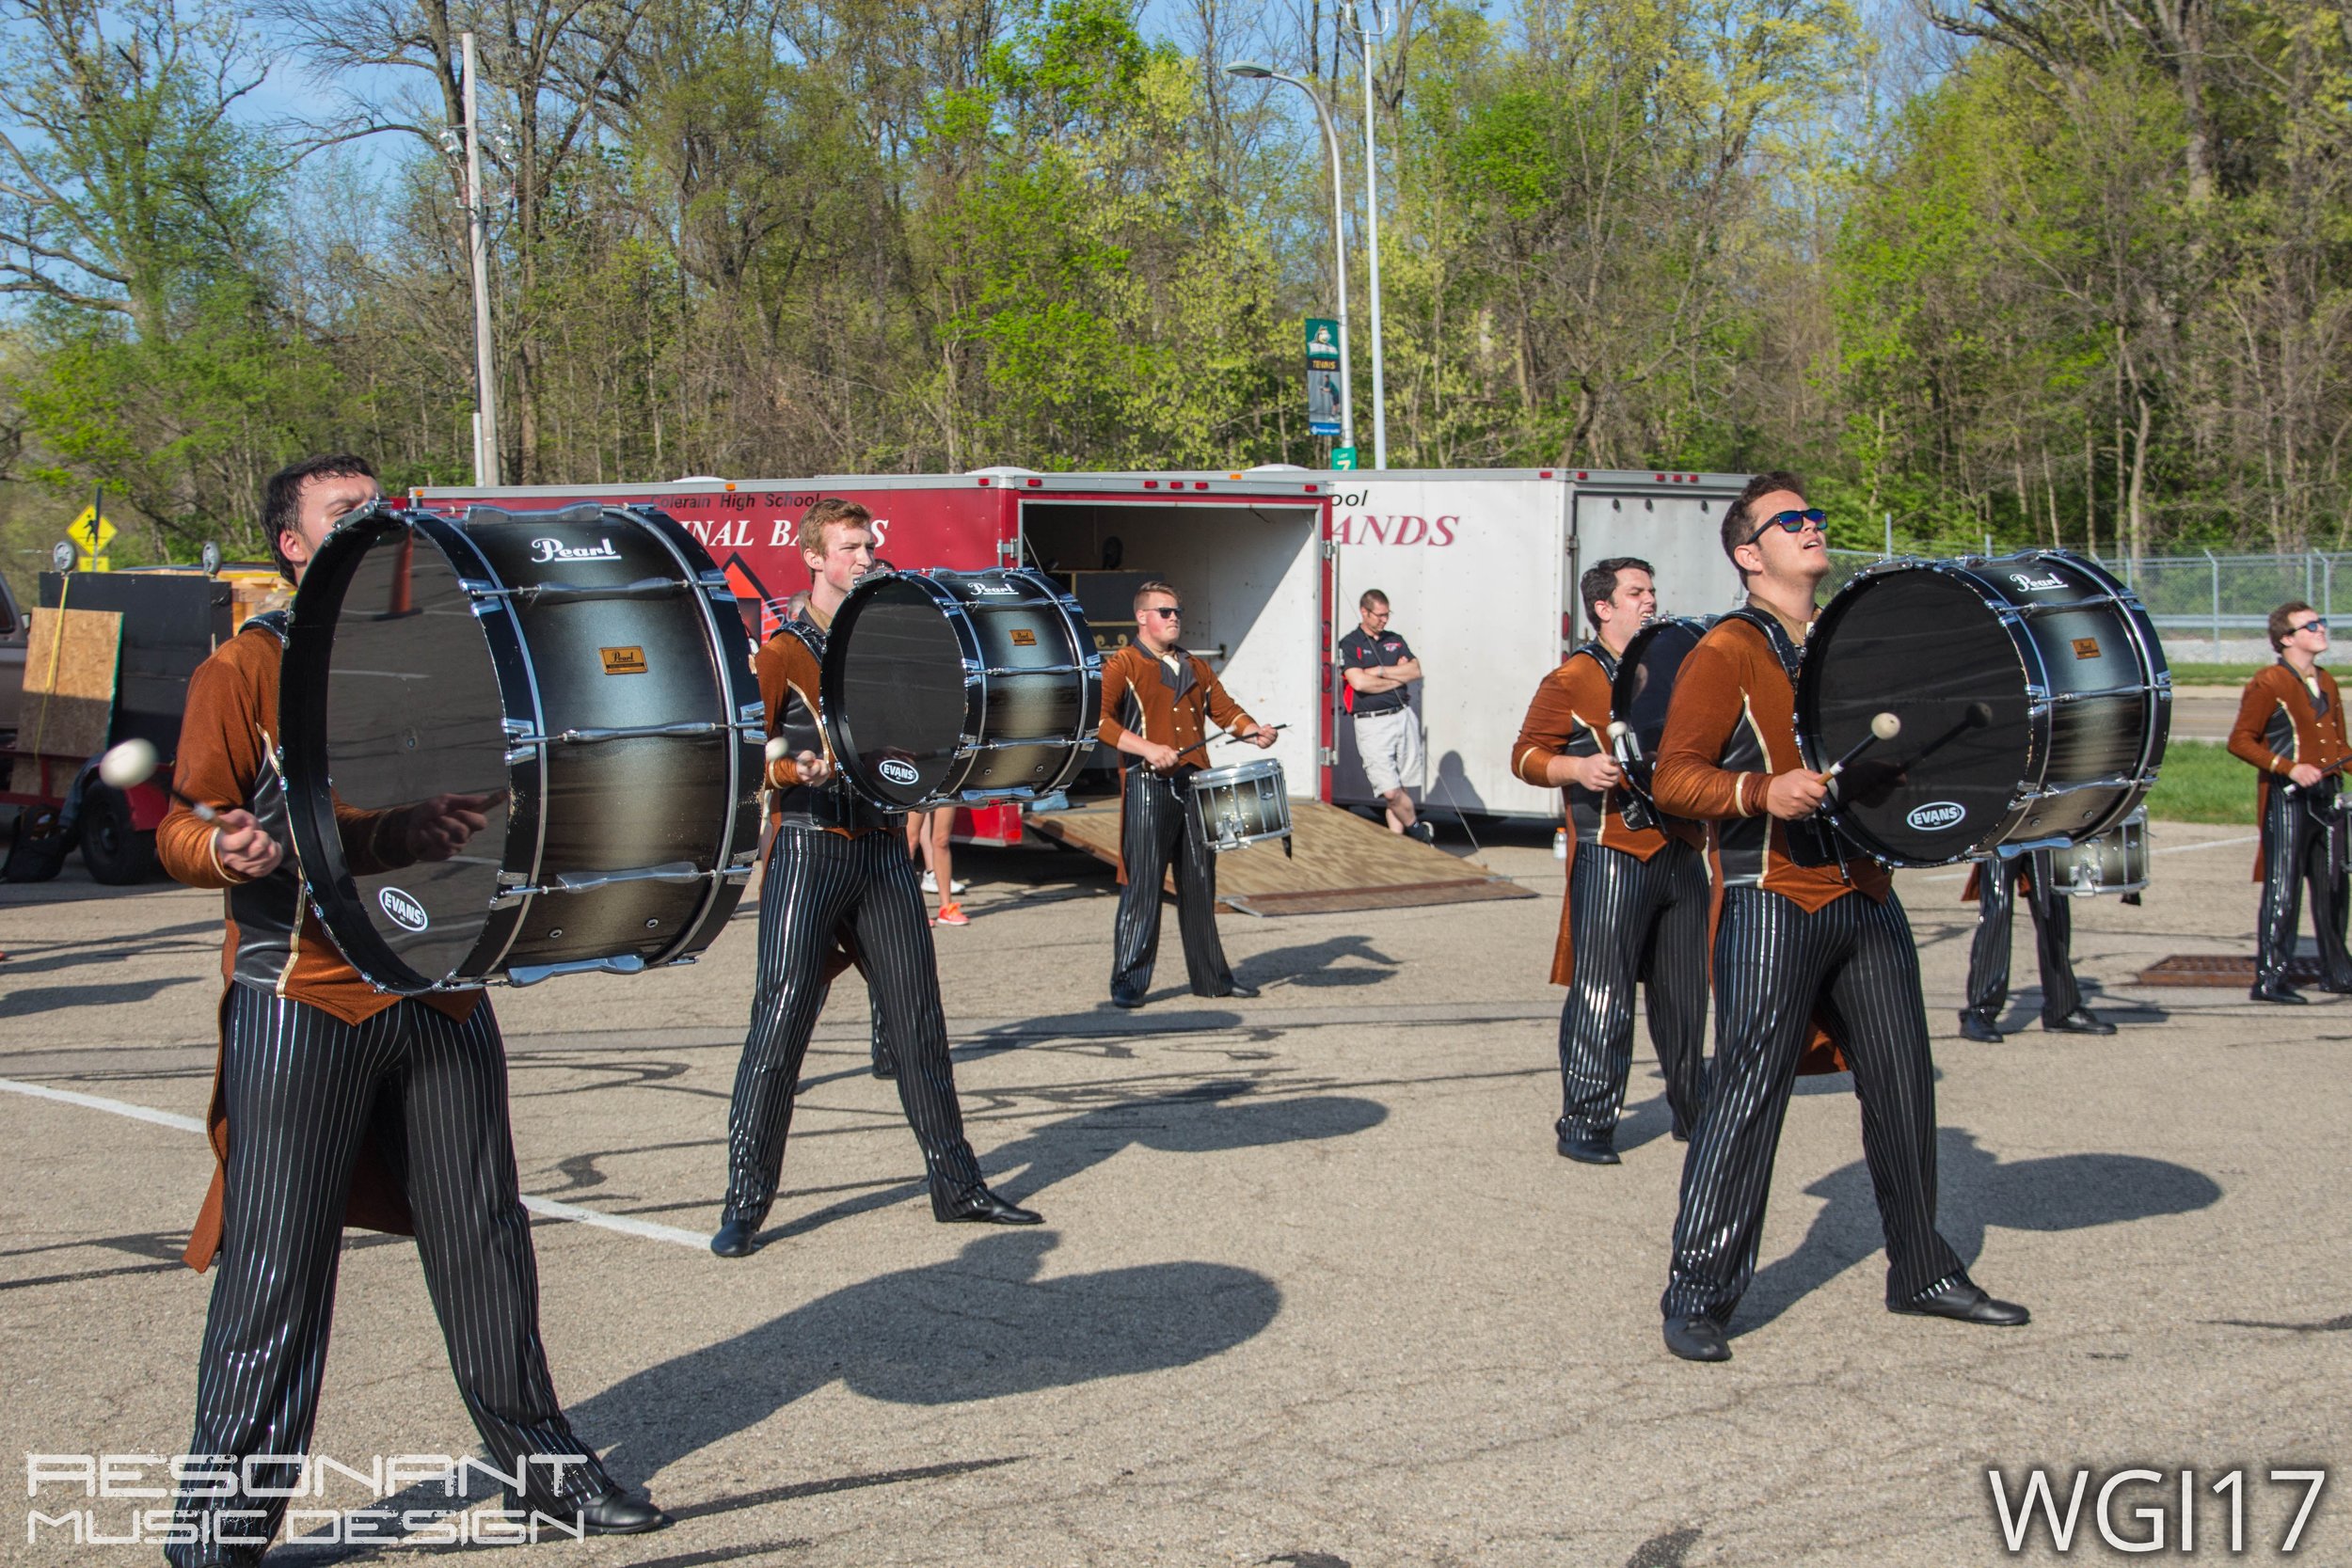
column 405, row 911
column 898, row 772
column 1935, row 815
column 544, row 550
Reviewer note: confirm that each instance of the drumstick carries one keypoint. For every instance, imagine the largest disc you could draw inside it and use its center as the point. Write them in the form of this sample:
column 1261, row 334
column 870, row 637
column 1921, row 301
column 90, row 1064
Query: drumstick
column 1884, row 727
column 1244, row 739
column 133, row 763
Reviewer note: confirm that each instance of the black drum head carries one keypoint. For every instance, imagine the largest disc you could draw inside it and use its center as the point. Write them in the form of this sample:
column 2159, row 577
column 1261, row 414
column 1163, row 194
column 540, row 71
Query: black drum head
column 893, row 696
column 1926, row 647
column 388, row 700
column 1646, row 677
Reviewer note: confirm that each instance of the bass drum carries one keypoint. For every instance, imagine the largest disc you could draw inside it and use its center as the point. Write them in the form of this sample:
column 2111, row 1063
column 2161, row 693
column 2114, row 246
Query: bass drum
column 579, row 682
column 948, row 687
column 1644, row 689
column 2033, row 692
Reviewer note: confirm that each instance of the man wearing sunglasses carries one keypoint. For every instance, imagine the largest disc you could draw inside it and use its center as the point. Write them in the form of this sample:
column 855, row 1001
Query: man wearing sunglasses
column 1808, row 931
column 2290, row 727
column 1157, row 703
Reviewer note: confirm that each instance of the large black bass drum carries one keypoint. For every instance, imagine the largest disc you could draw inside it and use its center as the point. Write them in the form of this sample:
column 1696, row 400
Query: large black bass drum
column 947, row 687
column 1641, row 694
column 2033, row 696
column 574, row 688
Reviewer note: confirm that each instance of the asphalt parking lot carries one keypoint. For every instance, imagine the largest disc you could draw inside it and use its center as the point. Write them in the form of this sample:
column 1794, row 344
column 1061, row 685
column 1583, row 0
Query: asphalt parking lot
column 1313, row 1289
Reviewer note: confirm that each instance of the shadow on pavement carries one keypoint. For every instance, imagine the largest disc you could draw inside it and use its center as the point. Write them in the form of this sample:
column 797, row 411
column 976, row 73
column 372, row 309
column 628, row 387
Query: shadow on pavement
column 982, row 1327
column 2065, row 1192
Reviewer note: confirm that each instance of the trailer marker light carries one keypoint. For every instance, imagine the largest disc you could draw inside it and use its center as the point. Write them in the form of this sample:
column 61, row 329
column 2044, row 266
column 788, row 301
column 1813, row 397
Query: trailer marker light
column 1660, row 478
column 1200, row 485
column 1581, row 473
column 1543, row 473
column 1151, row 485
column 1035, row 482
column 730, row 487
column 985, row 482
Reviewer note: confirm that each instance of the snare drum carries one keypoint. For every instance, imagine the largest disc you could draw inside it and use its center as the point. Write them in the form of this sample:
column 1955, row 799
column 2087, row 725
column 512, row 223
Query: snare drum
column 947, row 687
column 1236, row 807
column 2115, row 862
column 2033, row 695
column 582, row 674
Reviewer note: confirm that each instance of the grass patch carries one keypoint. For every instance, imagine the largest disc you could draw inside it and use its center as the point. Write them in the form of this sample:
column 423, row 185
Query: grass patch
column 2202, row 782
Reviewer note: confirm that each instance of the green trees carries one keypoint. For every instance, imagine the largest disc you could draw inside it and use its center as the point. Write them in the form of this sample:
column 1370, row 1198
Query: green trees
column 2085, row 282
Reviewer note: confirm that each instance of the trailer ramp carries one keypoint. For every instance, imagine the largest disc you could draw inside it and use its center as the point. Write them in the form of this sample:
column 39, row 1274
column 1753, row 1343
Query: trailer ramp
column 1340, row 862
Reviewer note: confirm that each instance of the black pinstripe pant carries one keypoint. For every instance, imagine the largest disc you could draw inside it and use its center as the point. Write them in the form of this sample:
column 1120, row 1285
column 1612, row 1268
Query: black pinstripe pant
column 302, row 1089
column 2052, row 935
column 1775, row 965
column 1158, row 828
column 1632, row 919
column 2299, row 849
column 818, row 882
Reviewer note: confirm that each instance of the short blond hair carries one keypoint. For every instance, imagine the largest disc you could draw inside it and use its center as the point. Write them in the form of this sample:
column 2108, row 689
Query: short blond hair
column 831, row 512
column 1145, row 590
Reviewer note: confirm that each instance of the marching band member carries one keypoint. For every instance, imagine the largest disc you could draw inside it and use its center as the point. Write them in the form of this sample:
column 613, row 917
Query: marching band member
column 334, row 1102
column 2290, row 726
column 1805, row 930
column 1157, row 703
column 838, row 869
column 1993, row 884
column 1637, row 900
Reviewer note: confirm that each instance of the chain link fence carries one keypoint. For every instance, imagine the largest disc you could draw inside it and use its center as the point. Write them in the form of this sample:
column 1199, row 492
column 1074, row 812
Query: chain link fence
column 2207, row 597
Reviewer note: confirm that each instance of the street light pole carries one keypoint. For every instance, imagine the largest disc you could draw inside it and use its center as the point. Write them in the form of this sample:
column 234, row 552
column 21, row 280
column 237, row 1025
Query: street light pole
column 1255, row 72
column 485, row 440
column 1372, row 240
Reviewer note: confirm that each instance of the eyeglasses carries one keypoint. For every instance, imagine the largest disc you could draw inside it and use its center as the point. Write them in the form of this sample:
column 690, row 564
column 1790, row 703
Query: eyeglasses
column 1170, row 611
column 2315, row 623
column 1793, row 522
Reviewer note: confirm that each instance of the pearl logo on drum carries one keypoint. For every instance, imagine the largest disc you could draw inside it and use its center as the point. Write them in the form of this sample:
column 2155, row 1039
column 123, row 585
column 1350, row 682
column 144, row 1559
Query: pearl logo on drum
column 1935, row 815
column 2027, row 583
column 405, row 911
column 898, row 772
column 544, row 550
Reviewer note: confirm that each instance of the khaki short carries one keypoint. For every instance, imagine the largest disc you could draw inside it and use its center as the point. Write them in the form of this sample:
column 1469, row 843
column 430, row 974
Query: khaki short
column 1390, row 744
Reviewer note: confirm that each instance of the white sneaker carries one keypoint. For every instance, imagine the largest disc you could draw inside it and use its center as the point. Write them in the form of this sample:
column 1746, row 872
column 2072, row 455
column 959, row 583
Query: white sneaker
column 930, row 884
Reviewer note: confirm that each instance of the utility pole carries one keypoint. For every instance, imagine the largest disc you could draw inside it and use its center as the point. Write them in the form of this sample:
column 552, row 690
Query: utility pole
column 486, row 418
column 1372, row 237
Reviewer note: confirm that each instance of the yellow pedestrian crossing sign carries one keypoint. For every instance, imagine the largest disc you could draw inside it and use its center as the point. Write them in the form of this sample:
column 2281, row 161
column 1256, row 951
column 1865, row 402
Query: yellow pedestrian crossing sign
column 91, row 533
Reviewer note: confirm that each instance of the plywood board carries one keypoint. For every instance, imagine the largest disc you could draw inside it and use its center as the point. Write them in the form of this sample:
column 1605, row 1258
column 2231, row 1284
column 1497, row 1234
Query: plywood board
column 68, row 687
column 1338, row 862
column 2231, row 971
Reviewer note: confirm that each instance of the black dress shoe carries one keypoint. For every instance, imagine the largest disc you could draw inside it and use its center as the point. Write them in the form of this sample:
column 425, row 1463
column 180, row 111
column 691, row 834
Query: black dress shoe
column 978, row 1206
column 2082, row 1021
column 613, row 1512
column 1237, row 988
column 2277, row 991
column 1976, row 1026
column 1586, row 1149
column 1697, row 1339
column 1118, row 1000
column 737, row 1238
column 1965, row 1303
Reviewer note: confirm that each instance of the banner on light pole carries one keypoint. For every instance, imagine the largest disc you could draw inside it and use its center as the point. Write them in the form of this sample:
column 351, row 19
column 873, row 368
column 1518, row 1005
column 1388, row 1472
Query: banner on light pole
column 1323, row 376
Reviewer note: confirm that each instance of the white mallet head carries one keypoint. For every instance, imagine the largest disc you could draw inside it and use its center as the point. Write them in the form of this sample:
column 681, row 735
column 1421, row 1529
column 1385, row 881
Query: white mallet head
column 778, row 748
column 1886, row 726
column 1618, row 729
column 131, row 763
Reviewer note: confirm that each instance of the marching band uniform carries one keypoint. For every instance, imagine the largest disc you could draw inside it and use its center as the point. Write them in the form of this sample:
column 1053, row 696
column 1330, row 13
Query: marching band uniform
column 1636, row 910
column 1169, row 701
column 839, row 874
column 1994, row 883
column 2284, row 720
column 1803, row 932
column 337, row 1104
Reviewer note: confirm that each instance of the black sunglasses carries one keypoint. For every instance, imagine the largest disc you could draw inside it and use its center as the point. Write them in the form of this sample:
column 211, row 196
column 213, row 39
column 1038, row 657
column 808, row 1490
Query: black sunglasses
column 2318, row 623
column 1173, row 611
column 1794, row 522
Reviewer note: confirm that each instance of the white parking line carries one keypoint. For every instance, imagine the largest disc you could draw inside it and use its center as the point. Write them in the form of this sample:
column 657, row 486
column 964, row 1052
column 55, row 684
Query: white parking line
column 648, row 1229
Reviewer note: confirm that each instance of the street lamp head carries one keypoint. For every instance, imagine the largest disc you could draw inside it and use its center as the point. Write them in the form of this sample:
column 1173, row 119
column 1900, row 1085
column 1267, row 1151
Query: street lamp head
column 1250, row 69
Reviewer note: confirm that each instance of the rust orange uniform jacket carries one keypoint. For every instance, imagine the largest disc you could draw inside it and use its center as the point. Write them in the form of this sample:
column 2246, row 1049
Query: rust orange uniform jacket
column 1569, row 717
column 2281, row 721
column 1167, row 701
column 227, row 744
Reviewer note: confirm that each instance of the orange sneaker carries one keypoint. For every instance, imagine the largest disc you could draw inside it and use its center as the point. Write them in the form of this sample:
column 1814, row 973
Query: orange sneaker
column 952, row 914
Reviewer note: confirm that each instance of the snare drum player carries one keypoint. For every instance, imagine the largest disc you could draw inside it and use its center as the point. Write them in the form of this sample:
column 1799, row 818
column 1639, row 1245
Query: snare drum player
column 1803, row 932
column 337, row 1104
column 838, row 868
column 1994, row 885
column 1157, row 703
column 1636, row 908
column 2290, row 727
column 1377, row 664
